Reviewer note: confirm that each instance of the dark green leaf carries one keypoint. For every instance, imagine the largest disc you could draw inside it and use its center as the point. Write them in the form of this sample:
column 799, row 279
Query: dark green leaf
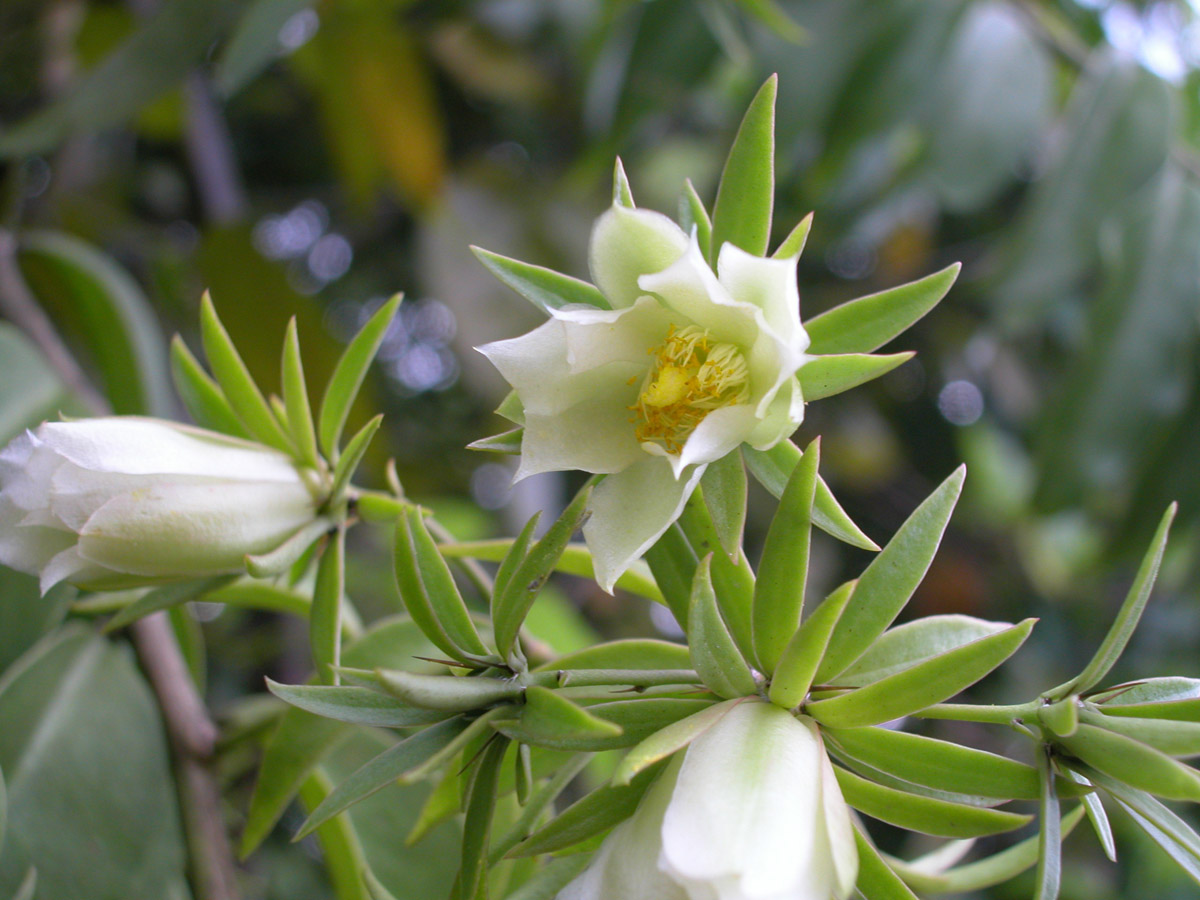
column 825, row 376
column 295, row 397
column 742, row 213
column 544, row 288
column 715, row 656
column 325, row 617
column 202, row 396
column 356, row 705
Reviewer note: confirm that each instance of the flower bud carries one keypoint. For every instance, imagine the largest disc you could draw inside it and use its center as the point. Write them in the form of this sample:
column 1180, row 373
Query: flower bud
column 125, row 501
column 751, row 811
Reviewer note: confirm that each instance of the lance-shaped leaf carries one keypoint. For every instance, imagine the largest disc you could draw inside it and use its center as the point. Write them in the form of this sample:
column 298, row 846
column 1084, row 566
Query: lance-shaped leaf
column 641, row 718
column 715, row 656
column 984, row 873
column 325, row 618
column 724, row 487
column 348, row 462
column 449, row 693
column 523, row 773
column 888, row 582
column 1134, row 763
column 783, row 571
column 383, row 770
column 1171, row 697
column 1166, row 823
column 867, row 323
column 772, row 468
column 622, row 194
column 477, row 824
column 627, row 653
column 544, row 288
column 742, row 213
column 356, row 705
column 245, row 399
column 921, row 685
column 295, row 397
column 277, row 561
column 444, row 801
column 794, row 675
column 693, row 215
column 670, row 739
column 348, row 377
column 534, row 811
column 508, row 442
column 1049, row 868
column 598, row 811
column 429, row 592
column 906, row 645
column 510, row 561
column 548, row 719
column 202, row 396
column 938, row 764
column 1095, row 812
column 1130, row 614
column 1180, row 853
column 876, row 880
column 1171, row 737
column 793, row 244
column 341, row 850
column 924, row 814
column 673, row 563
column 825, row 376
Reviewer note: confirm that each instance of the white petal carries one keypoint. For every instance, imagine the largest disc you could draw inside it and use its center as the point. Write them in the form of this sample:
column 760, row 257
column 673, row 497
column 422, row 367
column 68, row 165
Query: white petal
column 27, row 548
column 721, row 431
column 628, row 243
column 836, row 815
column 26, row 467
column 597, row 337
column 783, row 417
column 690, row 288
column 631, row 510
column 594, row 435
column 770, row 284
column 70, row 565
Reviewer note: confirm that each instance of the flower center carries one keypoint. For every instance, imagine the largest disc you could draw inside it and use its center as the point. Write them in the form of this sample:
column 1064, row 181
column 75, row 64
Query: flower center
column 691, row 376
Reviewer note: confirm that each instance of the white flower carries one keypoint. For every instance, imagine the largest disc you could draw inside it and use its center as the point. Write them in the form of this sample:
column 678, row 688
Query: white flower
column 751, row 811
column 122, row 501
column 686, row 366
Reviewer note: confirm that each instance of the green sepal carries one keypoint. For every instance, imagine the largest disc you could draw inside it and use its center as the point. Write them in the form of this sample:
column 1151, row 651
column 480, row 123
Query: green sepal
column 867, row 323
column 1133, row 762
column 889, row 581
column 348, row 461
column 355, row 705
column 746, row 194
column 548, row 719
column 295, row 398
column 508, row 442
column 201, row 396
column 544, row 288
column 325, row 617
column 793, row 245
column 477, row 823
column 825, row 376
column 512, row 408
column 921, row 685
column 348, row 376
column 797, row 666
column 783, row 570
column 724, row 487
column 715, row 656
column 693, row 215
column 276, row 562
column 668, row 740
column 622, row 194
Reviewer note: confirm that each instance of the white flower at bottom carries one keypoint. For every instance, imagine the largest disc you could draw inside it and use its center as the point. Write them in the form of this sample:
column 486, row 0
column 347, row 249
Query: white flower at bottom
column 751, row 811
column 123, row 501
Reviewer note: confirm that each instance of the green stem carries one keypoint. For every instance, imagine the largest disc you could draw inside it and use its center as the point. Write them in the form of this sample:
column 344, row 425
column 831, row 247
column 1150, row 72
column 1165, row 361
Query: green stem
column 967, row 712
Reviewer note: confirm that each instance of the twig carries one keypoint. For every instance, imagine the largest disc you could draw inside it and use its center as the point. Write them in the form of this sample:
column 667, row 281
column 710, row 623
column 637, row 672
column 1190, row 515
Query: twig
column 210, row 153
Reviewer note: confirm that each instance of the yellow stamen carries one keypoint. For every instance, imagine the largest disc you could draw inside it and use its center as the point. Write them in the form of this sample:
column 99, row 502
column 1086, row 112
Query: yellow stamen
column 689, row 378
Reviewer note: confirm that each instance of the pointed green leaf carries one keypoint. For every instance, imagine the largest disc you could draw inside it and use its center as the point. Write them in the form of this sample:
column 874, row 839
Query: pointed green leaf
column 1173, row 738
column 1150, row 809
column 165, row 597
column 523, row 773
column 325, row 618
column 342, row 853
column 511, row 560
column 295, row 397
column 507, row 442
column 1049, row 867
column 444, row 801
column 348, row 377
column 876, row 880
column 245, row 399
column 277, row 561
column 794, row 674
column 348, row 461
column 921, row 685
column 938, row 764
column 694, row 215
column 544, row 288
column 772, row 468
column 200, row 394
column 672, row 562
column 627, row 653
column 622, row 195
column 644, row 716
column 1133, row 762
column 746, row 194
column 1095, row 813
column 867, row 323
column 450, row 693
column 549, row 880
column 724, row 485
column 1179, row 852
column 670, row 739
column 513, row 599
column 825, row 376
column 548, row 719
column 714, row 654
column 429, row 592
column 1129, row 616
column 535, row 810
column 383, row 770
column 793, row 244
column 889, row 581
column 783, row 571
column 1156, row 698
column 477, row 824
column 356, row 705
column 906, row 645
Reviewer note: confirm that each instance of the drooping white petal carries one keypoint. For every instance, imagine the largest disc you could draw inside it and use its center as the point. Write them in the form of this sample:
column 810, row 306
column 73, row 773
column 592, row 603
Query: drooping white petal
column 836, row 816
column 783, row 416
column 769, row 284
column 628, row 243
column 69, row 564
column 630, row 511
column 594, row 435
column 27, row 548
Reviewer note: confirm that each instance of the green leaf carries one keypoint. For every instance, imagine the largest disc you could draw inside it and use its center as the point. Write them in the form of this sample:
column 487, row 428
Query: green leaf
column 295, row 397
column 28, row 886
column 867, row 323
column 355, row 705
column 627, row 653
column 477, row 824
column 1150, row 810
column 510, row 561
column 694, row 215
column 513, row 598
column 1061, row 718
column 534, row 811
column 234, row 379
column 622, row 195
column 1049, row 866
column 449, row 693
column 794, row 674
column 724, row 485
column 254, row 43
column 384, row 769
column 429, row 592
column 202, row 396
column 165, row 597
column 549, row 719
column 348, row 461
column 1130, row 614
column 348, row 377
column 1171, row 697
column 598, row 811
column 715, row 656
column 772, row 468
column 825, row 376
column 341, row 849
column 511, row 408
column 783, row 571
column 938, row 764
column 544, row 288
column 643, row 717
column 793, row 244
column 746, row 194
column 552, row 878
column 30, row 391
column 1180, row 853
column 888, row 582
column 906, row 645
column 1096, row 814
column 668, row 740
column 507, row 442
column 3, row 809
column 771, row 14
column 876, row 880
column 1133, row 762
column 672, row 562
column 276, row 562
column 325, row 618
column 921, row 685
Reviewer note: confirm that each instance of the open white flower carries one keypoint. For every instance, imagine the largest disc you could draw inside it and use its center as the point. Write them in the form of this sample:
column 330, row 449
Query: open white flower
column 751, row 811
column 686, row 366
column 122, row 501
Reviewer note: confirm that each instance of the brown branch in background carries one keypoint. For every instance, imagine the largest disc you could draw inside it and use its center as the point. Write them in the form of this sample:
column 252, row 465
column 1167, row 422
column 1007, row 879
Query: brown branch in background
column 210, row 153
column 190, row 730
